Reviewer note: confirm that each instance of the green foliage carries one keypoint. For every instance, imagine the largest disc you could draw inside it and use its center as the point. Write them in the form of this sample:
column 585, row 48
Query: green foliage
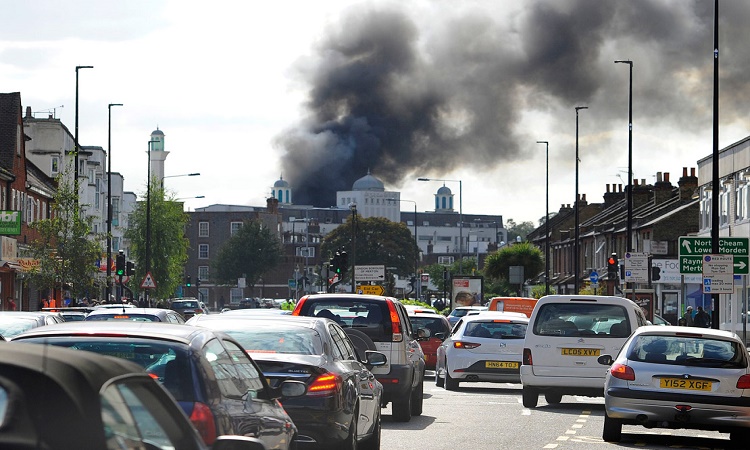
column 168, row 243
column 250, row 252
column 408, row 301
column 589, row 289
column 539, row 290
column 66, row 249
column 518, row 229
column 378, row 241
column 497, row 265
column 466, row 266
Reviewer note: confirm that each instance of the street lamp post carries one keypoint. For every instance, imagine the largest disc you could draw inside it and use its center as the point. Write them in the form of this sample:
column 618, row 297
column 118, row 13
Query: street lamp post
column 416, row 240
column 629, row 240
column 353, row 208
column 148, row 217
column 181, row 175
column 77, row 149
column 576, row 262
column 546, row 224
column 109, row 198
column 460, row 217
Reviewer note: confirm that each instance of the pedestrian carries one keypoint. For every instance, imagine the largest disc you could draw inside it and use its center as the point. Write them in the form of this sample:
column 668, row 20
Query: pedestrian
column 689, row 317
column 11, row 304
column 702, row 319
column 682, row 322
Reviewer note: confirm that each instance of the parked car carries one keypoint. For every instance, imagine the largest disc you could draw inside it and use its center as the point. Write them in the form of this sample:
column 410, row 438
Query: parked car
column 461, row 311
column 386, row 323
column 256, row 312
column 342, row 405
column 438, row 328
column 188, row 307
column 136, row 315
column 114, row 305
column 67, row 399
column 565, row 336
column 482, row 347
column 249, row 302
column 207, row 372
column 16, row 322
column 678, row 377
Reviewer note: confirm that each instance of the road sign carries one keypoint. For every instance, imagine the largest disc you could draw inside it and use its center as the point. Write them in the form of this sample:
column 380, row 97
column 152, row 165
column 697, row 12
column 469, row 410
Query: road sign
column 370, row 289
column 148, row 282
column 717, row 274
column 594, row 277
column 369, row 273
column 292, row 283
column 636, row 267
column 692, row 250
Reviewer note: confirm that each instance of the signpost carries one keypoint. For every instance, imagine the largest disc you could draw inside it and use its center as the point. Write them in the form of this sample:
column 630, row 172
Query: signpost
column 636, row 267
column 369, row 273
column 148, row 282
column 717, row 274
column 692, row 250
column 371, row 289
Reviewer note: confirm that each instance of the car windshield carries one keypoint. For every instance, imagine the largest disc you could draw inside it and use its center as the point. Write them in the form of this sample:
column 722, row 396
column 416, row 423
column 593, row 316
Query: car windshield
column 495, row 329
column 10, row 327
column 687, row 351
column 124, row 316
column 274, row 338
column 582, row 319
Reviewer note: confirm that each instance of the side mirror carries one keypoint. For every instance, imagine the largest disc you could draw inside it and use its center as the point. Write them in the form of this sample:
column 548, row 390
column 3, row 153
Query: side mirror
column 441, row 335
column 375, row 359
column 605, row 360
column 423, row 333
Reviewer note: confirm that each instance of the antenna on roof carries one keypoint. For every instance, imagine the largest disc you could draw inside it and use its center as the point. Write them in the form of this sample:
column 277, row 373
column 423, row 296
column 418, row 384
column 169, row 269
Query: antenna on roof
column 53, row 109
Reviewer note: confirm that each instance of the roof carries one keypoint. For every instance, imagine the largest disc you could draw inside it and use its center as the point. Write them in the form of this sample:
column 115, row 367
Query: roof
column 444, row 190
column 157, row 132
column 368, row 183
column 153, row 330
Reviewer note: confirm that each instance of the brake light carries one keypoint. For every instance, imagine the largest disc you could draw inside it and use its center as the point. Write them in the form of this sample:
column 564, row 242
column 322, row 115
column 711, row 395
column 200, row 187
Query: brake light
column 395, row 322
column 622, row 372
column 466, row 345
column 203, row 419
column 298, row 308
column 744, row 382
column 527, row 359
column 326, row 384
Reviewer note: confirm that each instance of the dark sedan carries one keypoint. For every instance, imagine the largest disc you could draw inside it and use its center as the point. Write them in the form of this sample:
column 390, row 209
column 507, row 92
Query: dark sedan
column 342, row 405
column 209, row 374
column 66, row 399
column 136, row 315
column 188, row 307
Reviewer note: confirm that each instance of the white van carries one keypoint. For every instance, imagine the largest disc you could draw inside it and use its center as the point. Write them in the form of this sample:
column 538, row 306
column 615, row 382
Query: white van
column 565, row 336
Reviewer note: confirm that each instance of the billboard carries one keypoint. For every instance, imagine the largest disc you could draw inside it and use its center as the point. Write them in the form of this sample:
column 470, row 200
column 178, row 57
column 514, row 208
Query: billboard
column 10, row 223
column 467, row 290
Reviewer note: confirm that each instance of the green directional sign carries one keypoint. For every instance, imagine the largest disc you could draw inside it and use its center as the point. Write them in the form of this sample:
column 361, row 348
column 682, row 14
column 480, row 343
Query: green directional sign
column 693, row 248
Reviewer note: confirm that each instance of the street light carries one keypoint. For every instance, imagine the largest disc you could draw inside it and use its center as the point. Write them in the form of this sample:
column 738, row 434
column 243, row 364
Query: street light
column 109, row 198
column 182, row 175
column 416, row 241
column 546, row 225
column 76, row 133
column 353, row 208
column 148, row 217
column 460, row 217
column 630, row 156
column 577, row 263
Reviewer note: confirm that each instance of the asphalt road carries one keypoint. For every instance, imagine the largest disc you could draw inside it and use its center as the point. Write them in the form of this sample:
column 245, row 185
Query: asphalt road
column 490, row 416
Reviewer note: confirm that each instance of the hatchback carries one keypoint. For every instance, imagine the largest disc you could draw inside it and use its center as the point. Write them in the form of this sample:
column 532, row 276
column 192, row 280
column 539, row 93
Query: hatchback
column 215, row 382
column 136, row 315
column 437, row 328
column 679, row 377
column 482, row 347
column 188, row 307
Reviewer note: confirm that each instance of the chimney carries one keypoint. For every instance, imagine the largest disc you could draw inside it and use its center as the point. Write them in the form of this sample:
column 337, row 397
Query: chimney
column 662, row 188
column 687, row 184
column 28, row 113
column 641, row 193
column 612, row 197
column 272, row 205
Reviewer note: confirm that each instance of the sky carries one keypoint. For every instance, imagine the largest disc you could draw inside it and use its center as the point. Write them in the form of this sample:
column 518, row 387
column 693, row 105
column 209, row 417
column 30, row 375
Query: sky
column 324, row 92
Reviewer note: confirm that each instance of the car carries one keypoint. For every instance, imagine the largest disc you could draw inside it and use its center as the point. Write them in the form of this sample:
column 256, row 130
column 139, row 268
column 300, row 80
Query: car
column 187, row 307
column 114, row 305
column 386, row 323
column 421, row 309
column 566, row 334
column 16, row 322
column 659, row 320
column 249, row 302
column 678, row 377
column 73, row 316
column 136, row 315
column 207, row 372
column 256, row 312
column 524, row 305
column 437, row 327
column 461, row 311
column 342, row 405
column 65, row 399
column 482, row 347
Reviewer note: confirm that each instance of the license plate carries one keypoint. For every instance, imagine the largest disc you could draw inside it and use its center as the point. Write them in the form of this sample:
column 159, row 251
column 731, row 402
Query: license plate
column 501, row 365
column 581, row 352
column 681, row 383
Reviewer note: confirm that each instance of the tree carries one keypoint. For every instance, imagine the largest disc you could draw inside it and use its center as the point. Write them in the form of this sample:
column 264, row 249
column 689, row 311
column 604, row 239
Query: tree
column 168, row 242
column 518, row 229
column 436, row 271
column 378, row 241
column 66, row 249
column 249, row 253
column 497, row 265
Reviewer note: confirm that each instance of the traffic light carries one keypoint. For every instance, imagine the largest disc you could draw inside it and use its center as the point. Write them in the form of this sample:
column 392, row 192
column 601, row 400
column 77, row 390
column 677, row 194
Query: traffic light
column 188, row 283
column 612, row 267
column 655, row 273
column 336, row 263
column 343, row 263
column 130, row 268
column 120, row 264
column 198, row 282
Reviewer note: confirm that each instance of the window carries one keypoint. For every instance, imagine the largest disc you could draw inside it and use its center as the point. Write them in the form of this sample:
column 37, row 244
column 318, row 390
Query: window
column 29, row 210
column 55, row 169
column 116, row 211
column 249, row 379
column 202, row 229
column 203, row 273
column 445, row 260
column 98, row 190
column 235, row 295
column 115, row 243
column 234, row 227
column 224, row 370
column 203, row 251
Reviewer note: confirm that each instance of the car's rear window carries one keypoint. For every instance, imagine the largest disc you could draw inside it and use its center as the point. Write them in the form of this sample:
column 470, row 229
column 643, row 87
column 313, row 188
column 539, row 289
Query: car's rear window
column 274, row 338
column 582, row 319
column 495, row 329
column 124, row 316
column 687, row 351
column 370, row 317
column 184, row 305
column 14, row 326
column 434, row 324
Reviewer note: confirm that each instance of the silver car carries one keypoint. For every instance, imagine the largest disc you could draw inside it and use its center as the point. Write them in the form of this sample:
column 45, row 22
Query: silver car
column 678, row 377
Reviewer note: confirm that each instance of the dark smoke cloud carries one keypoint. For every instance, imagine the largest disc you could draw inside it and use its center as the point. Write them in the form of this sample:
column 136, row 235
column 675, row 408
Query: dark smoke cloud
column 401, row 96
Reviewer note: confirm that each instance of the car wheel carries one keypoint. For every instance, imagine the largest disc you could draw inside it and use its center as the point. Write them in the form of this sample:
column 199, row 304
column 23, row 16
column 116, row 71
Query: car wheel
column 417, row 400
column 351, row 439
column 439, row 382
column 553, row 398
column 612, row 431
column 530, row 397
column 451, row 384
column 373, row 442
column 402, row 409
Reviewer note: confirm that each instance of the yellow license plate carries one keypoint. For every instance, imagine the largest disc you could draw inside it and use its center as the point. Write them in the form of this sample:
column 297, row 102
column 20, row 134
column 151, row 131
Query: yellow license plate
column 581, row 352
column 501, row 365
column 681, row 383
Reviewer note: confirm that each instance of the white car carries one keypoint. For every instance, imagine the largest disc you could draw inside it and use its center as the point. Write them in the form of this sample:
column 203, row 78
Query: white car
column 482, row 347
column 461, row 311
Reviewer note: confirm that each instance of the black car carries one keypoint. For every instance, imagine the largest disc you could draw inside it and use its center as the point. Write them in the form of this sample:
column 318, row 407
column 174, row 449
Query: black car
column 342, row 407
column 215, row 382
column 65, row 399
column 188, row 308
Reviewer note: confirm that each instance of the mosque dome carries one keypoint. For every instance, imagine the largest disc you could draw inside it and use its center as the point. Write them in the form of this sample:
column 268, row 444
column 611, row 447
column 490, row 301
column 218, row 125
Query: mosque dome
column 368, row 183
column 444, row 190
column 157, row 132
column 281, row 183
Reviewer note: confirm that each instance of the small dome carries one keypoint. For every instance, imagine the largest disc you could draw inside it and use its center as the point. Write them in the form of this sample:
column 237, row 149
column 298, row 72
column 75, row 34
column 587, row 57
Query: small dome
column 445, row 190
column 157, row 132
column 281, row 183
column 368, row 183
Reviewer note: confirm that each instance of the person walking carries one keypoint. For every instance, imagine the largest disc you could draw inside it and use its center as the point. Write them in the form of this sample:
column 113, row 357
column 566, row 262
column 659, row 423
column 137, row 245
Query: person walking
column 702, row 319
column 689, row 317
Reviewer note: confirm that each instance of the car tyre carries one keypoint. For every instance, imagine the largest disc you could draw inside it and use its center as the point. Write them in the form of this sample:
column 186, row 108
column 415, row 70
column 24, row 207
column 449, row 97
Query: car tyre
column 451, row 384
column 553, row 398
column 612, row 431
column 351, row 439
column 417, row 400
column 373, row 442
column 530, row 397
column 439, row 382
column 402, row 409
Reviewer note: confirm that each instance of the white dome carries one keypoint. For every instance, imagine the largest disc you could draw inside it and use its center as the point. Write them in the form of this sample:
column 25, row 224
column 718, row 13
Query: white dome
column 368, row 183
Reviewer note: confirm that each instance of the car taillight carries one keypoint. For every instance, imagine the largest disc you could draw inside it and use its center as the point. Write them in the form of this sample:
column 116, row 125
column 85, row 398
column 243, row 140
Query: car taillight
column 298, row 308
column 203, row 419
column 527, row 359
column 325, row 384
column 466, row 345
column 395, row 322
column 744, row 382
column 622, row 372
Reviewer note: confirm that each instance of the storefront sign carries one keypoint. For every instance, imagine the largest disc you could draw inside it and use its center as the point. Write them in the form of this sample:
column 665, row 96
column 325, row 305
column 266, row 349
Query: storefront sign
column 10, row 223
